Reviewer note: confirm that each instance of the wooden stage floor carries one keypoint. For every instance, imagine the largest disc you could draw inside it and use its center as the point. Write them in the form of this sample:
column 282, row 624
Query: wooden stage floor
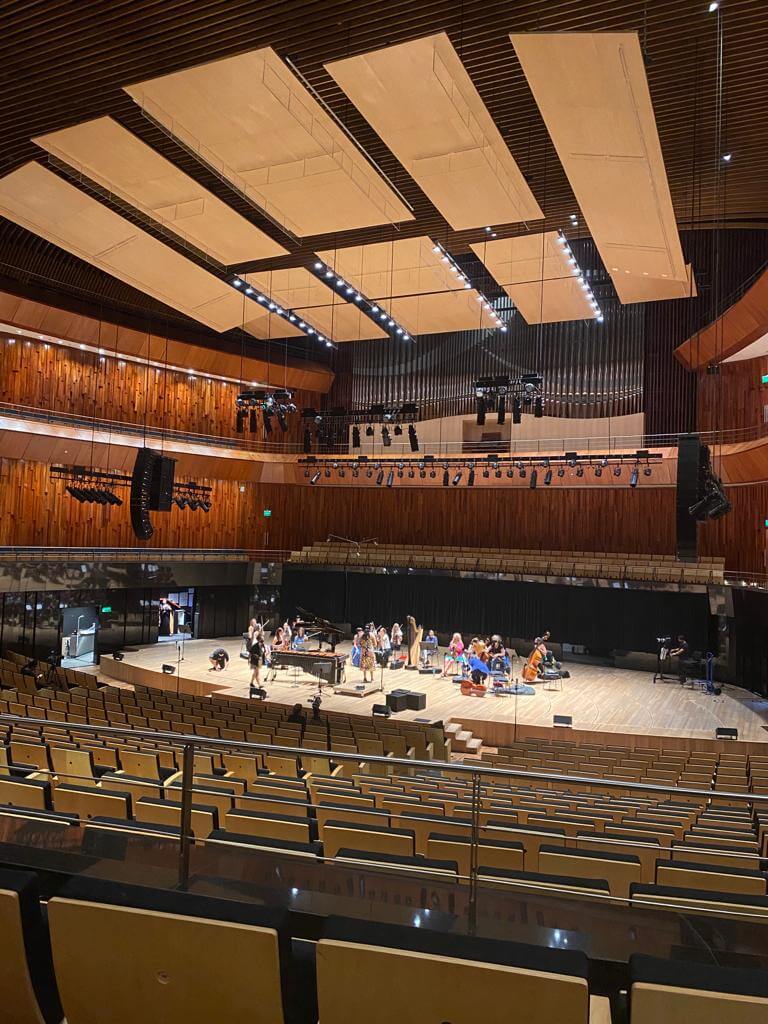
column 599, row 699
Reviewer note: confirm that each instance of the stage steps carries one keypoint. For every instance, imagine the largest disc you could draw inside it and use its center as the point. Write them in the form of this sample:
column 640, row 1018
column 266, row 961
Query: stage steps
column 463, row 741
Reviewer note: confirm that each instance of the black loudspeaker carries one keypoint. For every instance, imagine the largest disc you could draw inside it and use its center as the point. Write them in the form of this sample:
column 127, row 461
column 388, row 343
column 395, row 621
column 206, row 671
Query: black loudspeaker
column 726, row 734
column 565, row 720
column 397, row 700
column 169, row 669
column 141, row 486
column 692, row 459
column 381, row 709
column 161, row 487
column 415, row 701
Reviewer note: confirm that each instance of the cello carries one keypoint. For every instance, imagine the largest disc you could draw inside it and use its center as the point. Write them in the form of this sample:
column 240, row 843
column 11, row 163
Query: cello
column 531, row 667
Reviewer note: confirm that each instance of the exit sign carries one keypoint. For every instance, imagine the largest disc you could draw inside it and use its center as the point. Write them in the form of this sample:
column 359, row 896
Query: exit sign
column 267, row 513
column 764, row 379
column 105, row 608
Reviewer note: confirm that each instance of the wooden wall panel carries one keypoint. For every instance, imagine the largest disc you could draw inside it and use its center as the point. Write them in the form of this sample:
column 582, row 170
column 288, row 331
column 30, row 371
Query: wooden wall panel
column 734, row 398
column 34, row 510
column 66, row 380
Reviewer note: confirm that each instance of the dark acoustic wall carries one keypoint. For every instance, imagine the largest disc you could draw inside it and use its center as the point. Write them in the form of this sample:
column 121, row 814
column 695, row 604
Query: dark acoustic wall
column 601, row 619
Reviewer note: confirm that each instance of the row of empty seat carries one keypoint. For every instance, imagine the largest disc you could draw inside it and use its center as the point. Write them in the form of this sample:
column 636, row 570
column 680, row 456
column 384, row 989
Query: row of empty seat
column 176, row 957
column 588, row 564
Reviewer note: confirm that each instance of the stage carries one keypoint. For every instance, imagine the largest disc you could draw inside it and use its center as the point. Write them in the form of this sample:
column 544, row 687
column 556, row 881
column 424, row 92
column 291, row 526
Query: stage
column 602, row 701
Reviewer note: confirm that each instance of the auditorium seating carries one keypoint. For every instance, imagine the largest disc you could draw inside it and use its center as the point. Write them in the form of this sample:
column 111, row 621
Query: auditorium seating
column 530, row 561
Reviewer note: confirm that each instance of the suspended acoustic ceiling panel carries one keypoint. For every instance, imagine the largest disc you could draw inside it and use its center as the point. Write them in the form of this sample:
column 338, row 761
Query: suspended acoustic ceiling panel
column 38, row 200
column 421, row 102
column 111, row 156
column 536, row 274
column 592, row 91
column 255, row 124
column 413, row 283
column 326, row 310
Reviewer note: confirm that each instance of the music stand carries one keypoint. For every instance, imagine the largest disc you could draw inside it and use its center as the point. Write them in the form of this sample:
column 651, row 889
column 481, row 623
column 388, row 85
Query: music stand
column 382, row 658
column 428, row 651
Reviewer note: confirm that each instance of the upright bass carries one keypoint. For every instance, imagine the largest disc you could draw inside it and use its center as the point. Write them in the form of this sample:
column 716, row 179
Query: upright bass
column 531, row 667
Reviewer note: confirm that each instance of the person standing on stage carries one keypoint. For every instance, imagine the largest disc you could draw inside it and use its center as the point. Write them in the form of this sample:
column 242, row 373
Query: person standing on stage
column 257, row 655
column 396, row 637
column 356, row 640
column 368, row 652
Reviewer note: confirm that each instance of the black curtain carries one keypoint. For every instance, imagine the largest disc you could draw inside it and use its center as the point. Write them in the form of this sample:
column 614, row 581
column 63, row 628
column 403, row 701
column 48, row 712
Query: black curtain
column 223, row 611
column 600, row 619
column 749, row 640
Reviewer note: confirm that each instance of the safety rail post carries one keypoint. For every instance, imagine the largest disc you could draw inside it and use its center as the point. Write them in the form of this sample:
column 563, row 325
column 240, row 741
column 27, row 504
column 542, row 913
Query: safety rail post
column 187, row 773
column 474, row 843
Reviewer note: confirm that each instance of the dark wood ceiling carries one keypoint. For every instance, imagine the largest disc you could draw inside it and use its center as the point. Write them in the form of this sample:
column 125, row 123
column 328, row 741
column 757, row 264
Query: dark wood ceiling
column 64, row 61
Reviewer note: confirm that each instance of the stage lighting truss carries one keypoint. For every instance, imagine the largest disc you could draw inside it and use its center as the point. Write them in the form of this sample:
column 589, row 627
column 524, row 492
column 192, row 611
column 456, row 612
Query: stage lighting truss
column 192, row 496
column 274, row 307
column 456, row 470
column 91, row 486
column 573, row 268
column 508, row 394
column 485, row 303
column 276, row 405
column 374, row 310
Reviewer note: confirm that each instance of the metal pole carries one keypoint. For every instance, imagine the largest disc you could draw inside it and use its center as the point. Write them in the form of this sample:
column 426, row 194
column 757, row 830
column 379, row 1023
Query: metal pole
column 474, row 852
column 187, row 771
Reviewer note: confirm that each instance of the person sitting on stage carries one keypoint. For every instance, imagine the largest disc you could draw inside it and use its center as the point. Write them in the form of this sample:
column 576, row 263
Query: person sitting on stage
column 355, row 658
column 299, row 639
column 287, row 634
column 454, row 655
column 383, row 640
column 497, row 655
column 479, row 648
column 219, row 660
column 278, row 643
column 427, row 652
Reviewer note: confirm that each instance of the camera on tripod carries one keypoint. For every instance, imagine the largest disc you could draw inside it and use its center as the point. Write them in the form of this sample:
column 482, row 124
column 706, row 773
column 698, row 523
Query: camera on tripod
column 315, row 703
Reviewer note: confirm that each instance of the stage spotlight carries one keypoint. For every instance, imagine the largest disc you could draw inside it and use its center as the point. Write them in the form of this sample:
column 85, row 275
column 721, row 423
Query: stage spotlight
column 510, row 473
column 534, row 478
column 315, row 478
column 446, row 478
column 398, row 430
column 355, row 436
column 617, row 470
column 548, row 478
column 369, row 431
column 182, row 502
column 307, row 440
column 647, row 471
column 380, row 478
column 390, row 477
column 400, row 468
column 561, row 472
column 517, row 410
column 113, row 498
column 522, row 470
column 369, row 473
column 76, row 493
column 604, row 462
column 240, row 420
column 280, row 413
column 457, row 478
column 385, row 437
column 480, row 411
column 471, row 477
column 633, row 477
column 501, row 412
column 253, row 423
column 538, row 408
column 411, row 473
column 327, row 473
column 580, row 471
column 433, row 474
column 598, row 470
column 355, row 473
column 194, row 504
column 486, row 473
column 342, row 473
column 205, row 506
column 413, row 438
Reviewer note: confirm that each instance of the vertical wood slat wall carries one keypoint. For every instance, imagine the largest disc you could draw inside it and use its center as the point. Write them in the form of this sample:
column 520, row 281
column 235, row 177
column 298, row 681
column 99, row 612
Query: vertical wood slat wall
column 35, row 510
column 60, row 379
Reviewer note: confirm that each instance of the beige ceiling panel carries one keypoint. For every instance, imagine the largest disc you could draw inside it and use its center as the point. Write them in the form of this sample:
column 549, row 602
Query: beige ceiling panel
column 114, row 158
column 537, row 274
column 422, row 103
column 251, row 119
column 56, row 210
column 649, row 289
column 441, row 313
column 592, row 91
column 408, row 266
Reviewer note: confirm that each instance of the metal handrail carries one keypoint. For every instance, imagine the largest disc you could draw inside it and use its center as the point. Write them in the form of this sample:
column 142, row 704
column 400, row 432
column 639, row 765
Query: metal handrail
column 141, row 554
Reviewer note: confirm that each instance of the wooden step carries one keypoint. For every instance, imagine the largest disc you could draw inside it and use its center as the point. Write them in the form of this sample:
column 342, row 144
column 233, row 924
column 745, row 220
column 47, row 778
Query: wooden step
column 474, row 745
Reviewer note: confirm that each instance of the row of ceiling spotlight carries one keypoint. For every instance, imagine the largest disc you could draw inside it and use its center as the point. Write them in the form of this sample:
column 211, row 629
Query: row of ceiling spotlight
column 372, row 308
column 274, row 307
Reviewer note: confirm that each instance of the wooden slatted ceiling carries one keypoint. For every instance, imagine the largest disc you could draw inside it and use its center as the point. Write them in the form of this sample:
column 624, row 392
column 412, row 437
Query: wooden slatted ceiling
column 536, row 274
column 37, row 199
column 592, row 91
column 413, row 283
column 423, row 105
column 115, row 158
column 251, row 119
column 64, row 63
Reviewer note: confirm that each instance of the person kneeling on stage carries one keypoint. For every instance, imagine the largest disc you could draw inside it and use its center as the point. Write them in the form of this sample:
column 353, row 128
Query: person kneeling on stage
column 219, row 660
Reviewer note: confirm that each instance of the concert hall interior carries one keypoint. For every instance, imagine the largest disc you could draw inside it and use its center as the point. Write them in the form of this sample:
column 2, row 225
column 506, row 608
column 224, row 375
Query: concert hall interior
column 383, row 512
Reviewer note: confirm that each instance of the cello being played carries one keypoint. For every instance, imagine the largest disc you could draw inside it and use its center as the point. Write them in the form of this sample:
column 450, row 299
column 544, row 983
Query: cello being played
column 535, row 658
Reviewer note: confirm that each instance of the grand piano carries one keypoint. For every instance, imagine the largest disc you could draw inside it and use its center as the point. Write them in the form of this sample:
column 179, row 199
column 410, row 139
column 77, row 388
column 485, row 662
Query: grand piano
column 327, row 665
column 318, row 629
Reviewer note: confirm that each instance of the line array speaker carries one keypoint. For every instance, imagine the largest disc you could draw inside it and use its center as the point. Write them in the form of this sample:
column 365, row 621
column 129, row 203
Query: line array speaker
column 692, row 460
column 151, row 489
